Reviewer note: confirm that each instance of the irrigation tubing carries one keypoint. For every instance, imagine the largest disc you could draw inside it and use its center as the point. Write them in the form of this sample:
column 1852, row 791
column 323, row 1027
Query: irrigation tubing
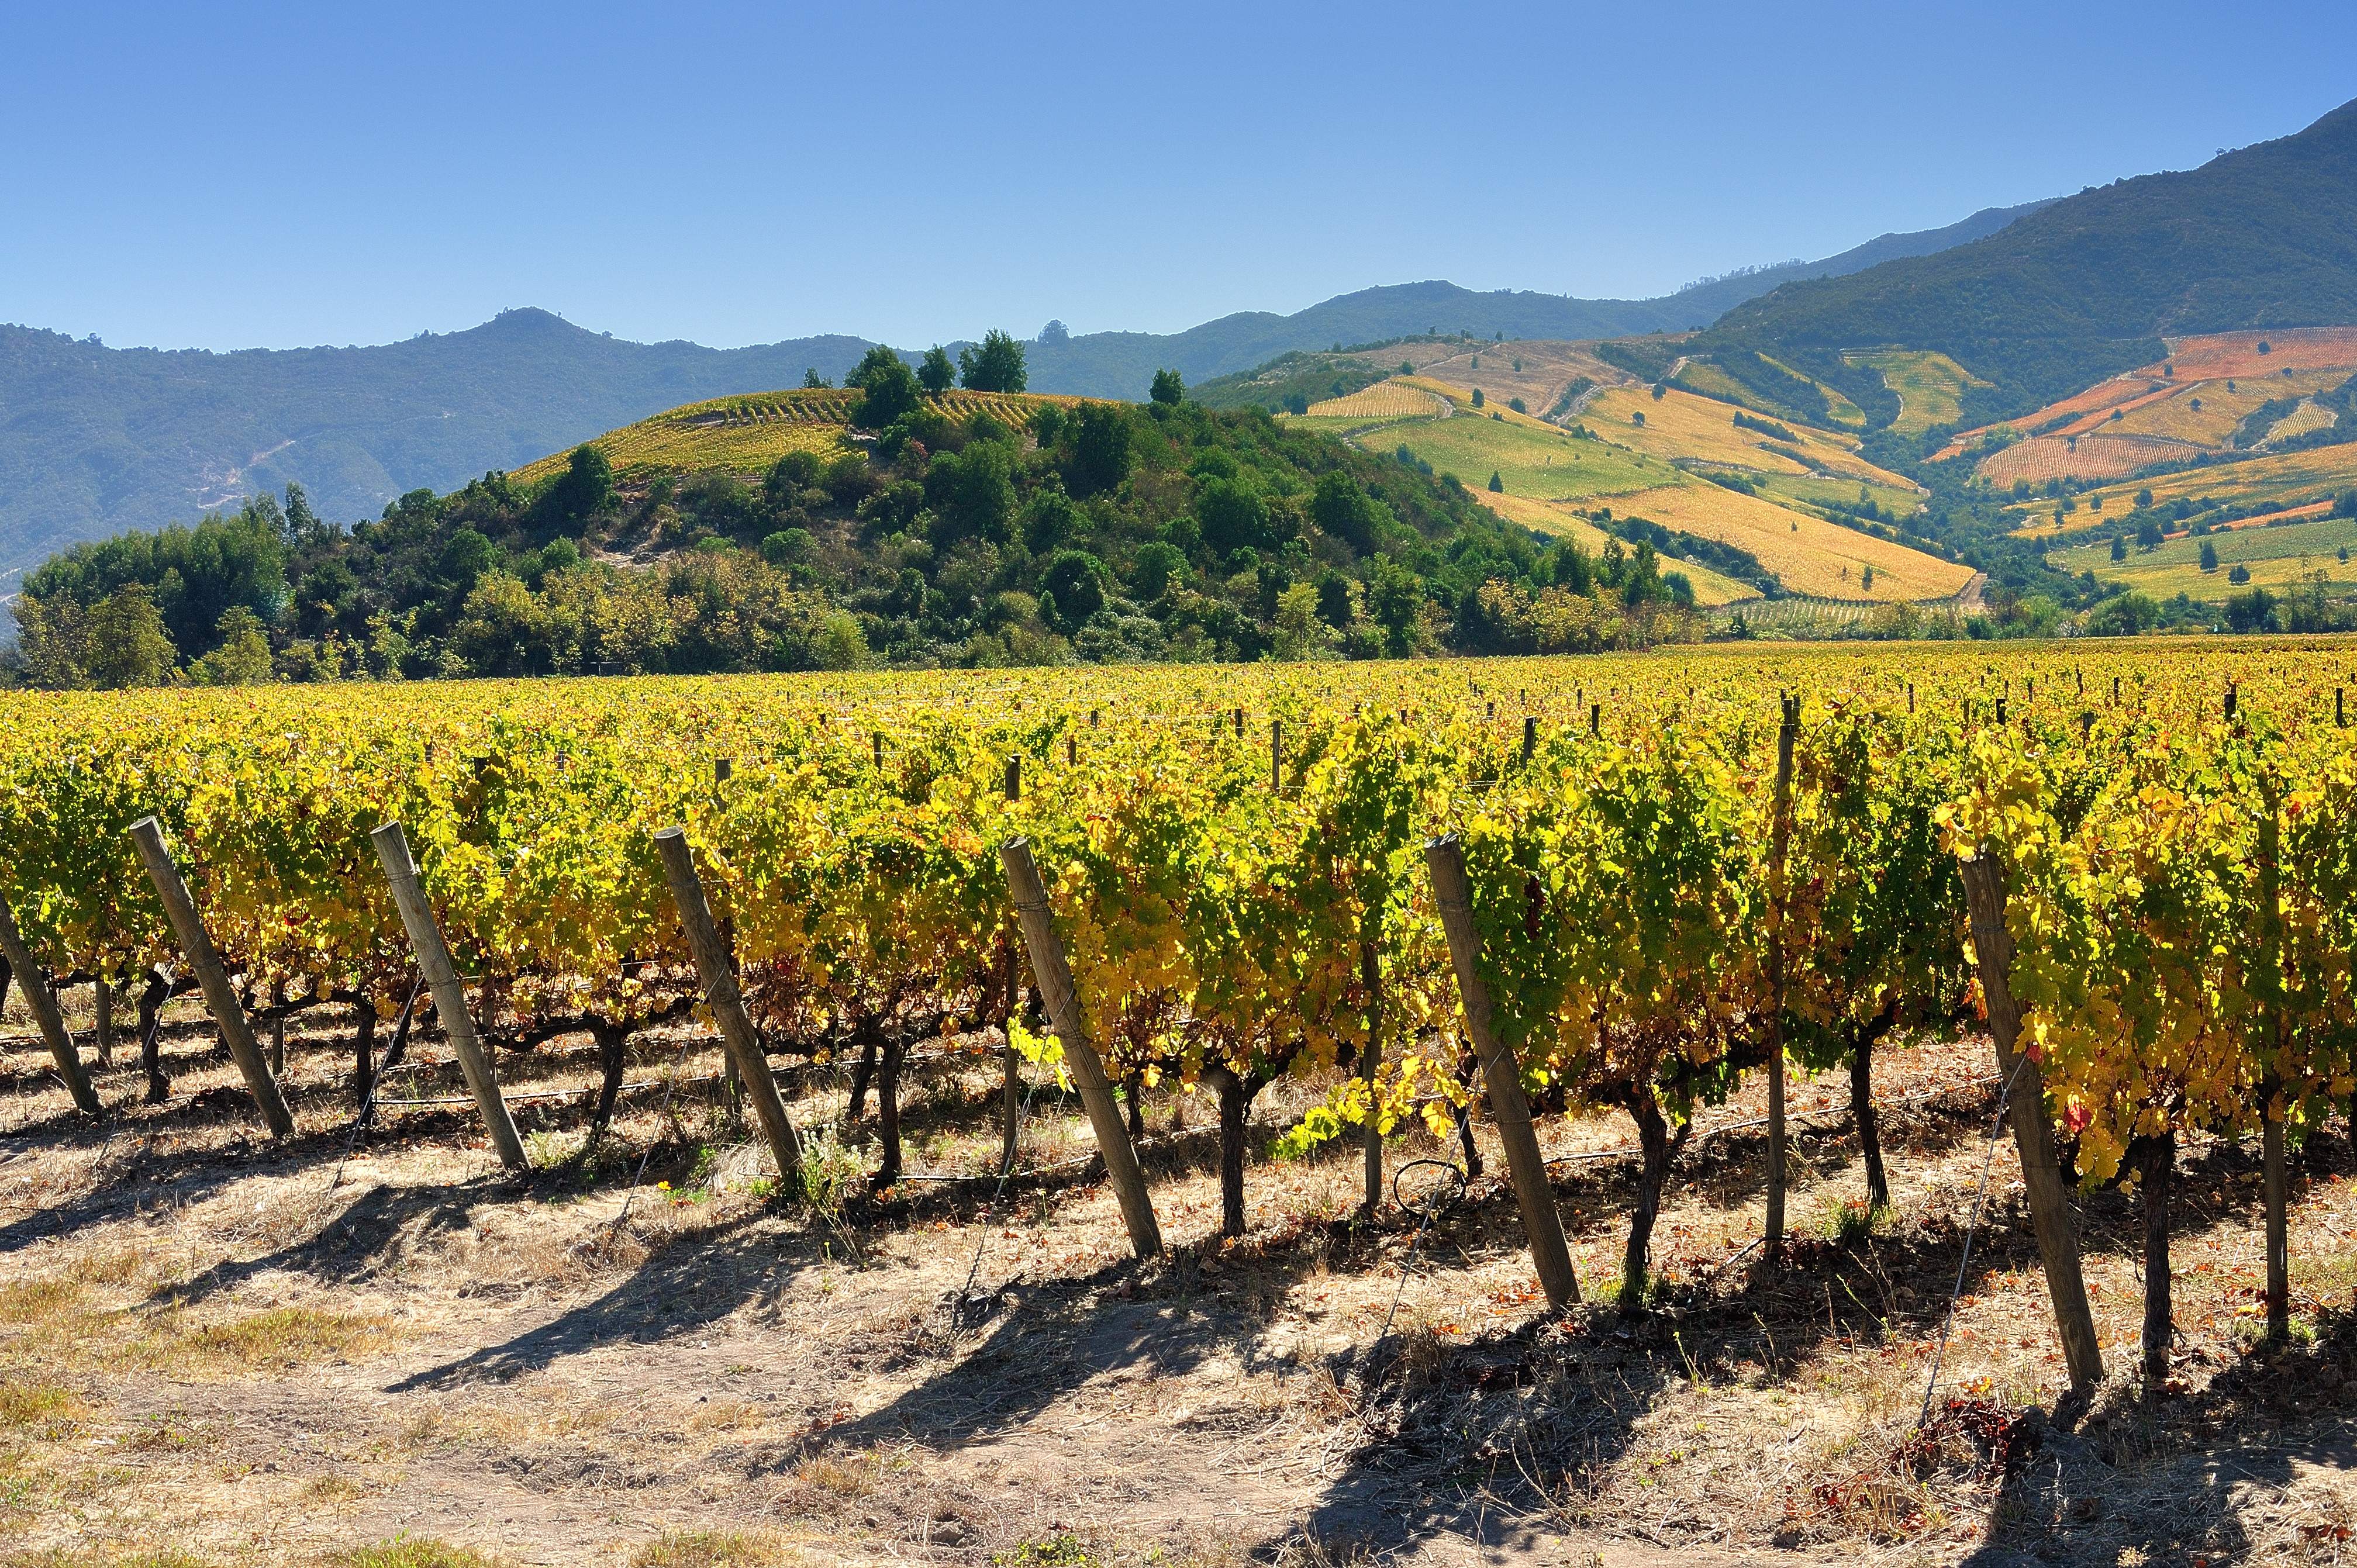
column 974, row 1270
column 368, row 1100
column 1980, row 1194
column 1431, row 1207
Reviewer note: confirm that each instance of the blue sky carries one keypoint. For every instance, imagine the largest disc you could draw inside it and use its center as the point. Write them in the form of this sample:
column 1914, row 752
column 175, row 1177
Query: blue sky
column 271, row 176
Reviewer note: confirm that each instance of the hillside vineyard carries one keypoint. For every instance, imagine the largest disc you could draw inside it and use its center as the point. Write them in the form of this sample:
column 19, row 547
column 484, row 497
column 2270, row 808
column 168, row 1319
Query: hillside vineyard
column 1662, row 898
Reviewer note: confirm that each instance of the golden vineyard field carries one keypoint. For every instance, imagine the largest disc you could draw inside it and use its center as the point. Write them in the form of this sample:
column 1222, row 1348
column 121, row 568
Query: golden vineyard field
column 854, row 846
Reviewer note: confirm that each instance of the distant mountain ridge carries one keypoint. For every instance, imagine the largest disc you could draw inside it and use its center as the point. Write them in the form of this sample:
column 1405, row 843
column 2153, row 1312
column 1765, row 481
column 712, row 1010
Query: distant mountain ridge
column 2262, row 236
column 95, row 440
column 1122, row 364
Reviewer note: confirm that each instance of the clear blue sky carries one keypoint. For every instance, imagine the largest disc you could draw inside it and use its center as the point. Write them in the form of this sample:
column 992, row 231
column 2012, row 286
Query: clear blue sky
column 327, row 174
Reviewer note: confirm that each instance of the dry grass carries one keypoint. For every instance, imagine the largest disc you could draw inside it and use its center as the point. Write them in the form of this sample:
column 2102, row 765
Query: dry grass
column 280, row 1339
column 2284, row 480
column 1931, row 387
column 432, row 1349
column 714, row 1548
column 1557, row 518
column 405, row 1552
column 2099, row 456
column 2097, row 399
column 2220, row 355
column 1815, row 557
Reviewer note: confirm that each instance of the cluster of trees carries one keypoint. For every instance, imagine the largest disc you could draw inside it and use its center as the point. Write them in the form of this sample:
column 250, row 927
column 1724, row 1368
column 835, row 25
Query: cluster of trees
column 1102, row 532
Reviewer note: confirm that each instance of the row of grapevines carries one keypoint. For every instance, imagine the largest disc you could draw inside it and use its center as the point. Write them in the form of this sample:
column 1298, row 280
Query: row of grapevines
column 2181, row 880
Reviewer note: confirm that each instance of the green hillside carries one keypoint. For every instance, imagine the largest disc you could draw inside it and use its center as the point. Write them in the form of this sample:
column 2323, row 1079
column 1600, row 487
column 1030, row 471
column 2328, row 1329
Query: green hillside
column 2088, row 286
column 793, row 529
column 1795, row 510
column 2278, row 558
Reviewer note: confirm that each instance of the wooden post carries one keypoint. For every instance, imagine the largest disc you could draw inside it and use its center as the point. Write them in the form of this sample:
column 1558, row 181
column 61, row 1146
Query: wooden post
column 1053, row 976
column 1276, row 755
column 1779, row 834
column 1370, row 976
column 1502, row 1075
column 44, row 1003
column 1010, row 1098
column 101, row 1001
column 449, row 995
column 2033, row 1136
column 2271, row 968
column 197, row 947
column 1529, row 736
column 2276, row 1191
column 728, row 1004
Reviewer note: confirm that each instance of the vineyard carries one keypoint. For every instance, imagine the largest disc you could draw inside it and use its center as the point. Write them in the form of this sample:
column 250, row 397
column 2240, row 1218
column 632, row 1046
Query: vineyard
column 751, row 432
column 1451, row 940
column 1384, row 400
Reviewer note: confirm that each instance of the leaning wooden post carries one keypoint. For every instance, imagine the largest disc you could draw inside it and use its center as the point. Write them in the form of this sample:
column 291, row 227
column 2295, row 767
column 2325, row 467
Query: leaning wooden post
column 2049, row 1209
column 449, row 994
column 1053, row 976
column 1371, row 976
column 220, row 1000
column 727, row 1005
column 1779, row 835
column 44, row 1003
column 1502, row 1075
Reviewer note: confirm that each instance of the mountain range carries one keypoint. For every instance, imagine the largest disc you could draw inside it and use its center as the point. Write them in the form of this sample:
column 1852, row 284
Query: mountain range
column 94, row 440
column 2263, row 237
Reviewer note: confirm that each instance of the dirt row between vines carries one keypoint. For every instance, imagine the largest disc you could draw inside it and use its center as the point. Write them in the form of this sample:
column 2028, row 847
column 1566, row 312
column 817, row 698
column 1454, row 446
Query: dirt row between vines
column 216, row 1350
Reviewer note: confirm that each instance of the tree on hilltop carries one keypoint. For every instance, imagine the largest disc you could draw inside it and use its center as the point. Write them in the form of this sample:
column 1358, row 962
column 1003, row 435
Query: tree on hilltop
column 996, row 367
column 935, row 373
column 889, row 385
column 1167, row 388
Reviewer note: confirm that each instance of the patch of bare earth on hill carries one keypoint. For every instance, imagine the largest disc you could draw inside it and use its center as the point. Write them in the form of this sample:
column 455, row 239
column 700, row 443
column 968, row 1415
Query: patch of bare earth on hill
column 248, row 1353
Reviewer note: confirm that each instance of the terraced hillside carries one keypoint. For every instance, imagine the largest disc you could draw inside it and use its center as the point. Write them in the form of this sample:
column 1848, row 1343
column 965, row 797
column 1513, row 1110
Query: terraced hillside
column 2214, row 395
column 2240, row 443
column 747, row 434
column 1794, row 503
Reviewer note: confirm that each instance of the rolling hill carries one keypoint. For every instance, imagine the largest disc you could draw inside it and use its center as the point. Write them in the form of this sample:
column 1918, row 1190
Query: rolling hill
column 1746, row 506
column 94, row 439
column 821, row 528
column 2260, row 239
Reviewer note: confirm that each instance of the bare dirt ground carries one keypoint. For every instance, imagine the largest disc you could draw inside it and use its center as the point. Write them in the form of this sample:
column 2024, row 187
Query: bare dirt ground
column 217, row 1350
